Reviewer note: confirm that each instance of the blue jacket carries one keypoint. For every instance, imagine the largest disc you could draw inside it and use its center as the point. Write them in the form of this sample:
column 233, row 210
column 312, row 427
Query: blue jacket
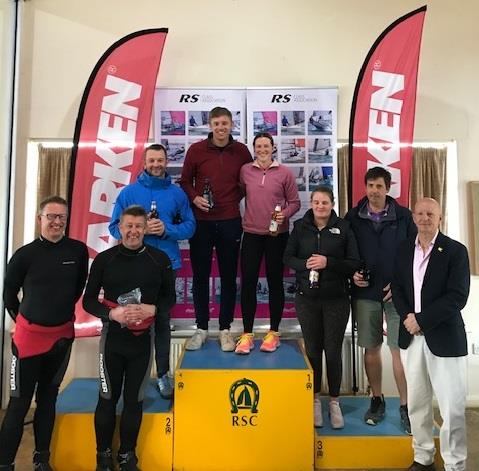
column 172, row 204
column 377, row 248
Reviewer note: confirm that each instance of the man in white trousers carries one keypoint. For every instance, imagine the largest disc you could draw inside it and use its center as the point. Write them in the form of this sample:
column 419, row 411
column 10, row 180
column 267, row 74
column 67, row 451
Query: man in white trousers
column 430, row 287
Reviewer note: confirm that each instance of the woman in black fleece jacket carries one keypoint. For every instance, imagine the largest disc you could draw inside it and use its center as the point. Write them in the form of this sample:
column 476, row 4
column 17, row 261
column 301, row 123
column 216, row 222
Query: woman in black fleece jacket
column 323, row 245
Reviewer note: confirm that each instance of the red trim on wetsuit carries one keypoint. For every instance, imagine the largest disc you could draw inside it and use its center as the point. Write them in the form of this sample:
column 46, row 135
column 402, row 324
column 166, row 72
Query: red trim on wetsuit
column 34, row 339
column 137, row 328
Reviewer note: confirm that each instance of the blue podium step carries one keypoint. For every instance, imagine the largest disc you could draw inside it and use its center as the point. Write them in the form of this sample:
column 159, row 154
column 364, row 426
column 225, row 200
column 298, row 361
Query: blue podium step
column 244, row 412
column 360, row 446
column 73, row 442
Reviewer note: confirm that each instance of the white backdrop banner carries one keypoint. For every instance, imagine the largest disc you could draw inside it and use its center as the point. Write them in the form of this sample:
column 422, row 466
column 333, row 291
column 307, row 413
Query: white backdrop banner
column 303, row 123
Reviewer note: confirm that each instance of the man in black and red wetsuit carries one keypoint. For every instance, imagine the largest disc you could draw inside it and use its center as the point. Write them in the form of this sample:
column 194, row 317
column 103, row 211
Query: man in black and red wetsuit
column 51, row 271
column 127, row 337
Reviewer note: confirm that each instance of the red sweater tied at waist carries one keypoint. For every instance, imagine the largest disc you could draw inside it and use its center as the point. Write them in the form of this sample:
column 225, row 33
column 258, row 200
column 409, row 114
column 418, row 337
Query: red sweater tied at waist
column 138, row 327
column 34, row 339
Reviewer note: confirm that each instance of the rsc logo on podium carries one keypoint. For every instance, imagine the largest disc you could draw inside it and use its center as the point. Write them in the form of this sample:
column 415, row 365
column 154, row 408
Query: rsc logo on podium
column 244, row 397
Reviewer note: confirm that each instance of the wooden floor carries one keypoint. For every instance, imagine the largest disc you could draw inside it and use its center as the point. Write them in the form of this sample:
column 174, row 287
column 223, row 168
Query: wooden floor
column 24, row 456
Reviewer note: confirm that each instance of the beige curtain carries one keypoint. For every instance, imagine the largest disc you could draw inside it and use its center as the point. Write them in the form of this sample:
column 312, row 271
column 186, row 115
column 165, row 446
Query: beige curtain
column 343, row 176
column 53, row 172
column 428, row 177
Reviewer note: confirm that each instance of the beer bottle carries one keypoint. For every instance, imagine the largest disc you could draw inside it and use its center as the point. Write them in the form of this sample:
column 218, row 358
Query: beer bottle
column 208, row 194
column 273, row 225
column 153, row 214
column 365, row 273
column 313, row 278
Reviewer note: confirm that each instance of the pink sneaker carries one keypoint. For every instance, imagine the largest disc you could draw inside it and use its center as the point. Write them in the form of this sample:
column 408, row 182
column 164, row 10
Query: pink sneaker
column 245, row 344
column 270, row 341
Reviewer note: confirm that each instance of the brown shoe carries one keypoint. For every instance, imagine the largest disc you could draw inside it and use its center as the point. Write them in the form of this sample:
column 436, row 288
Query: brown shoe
column 421, row 467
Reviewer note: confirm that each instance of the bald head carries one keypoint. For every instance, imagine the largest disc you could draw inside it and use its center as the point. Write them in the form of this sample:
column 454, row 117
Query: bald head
column 427, row 217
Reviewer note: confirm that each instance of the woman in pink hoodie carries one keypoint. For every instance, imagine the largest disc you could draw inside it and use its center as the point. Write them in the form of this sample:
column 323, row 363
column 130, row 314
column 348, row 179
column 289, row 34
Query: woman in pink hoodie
column 271, row 199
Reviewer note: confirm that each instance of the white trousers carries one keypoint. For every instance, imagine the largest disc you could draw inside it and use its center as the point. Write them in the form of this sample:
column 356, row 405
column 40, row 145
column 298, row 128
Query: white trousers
column 446, row 378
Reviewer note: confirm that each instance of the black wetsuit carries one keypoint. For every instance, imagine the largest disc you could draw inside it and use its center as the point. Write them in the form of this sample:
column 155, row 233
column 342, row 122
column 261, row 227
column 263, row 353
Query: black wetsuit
column 125, row 355
column 52, row 277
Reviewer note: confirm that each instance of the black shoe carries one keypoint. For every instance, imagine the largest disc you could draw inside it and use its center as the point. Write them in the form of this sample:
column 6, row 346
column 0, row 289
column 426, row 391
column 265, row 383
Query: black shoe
column 405, row 423
column 40, row 461
column 421, row 467
column 376, row 410
column 104, row 460
column 42, row 467
column 128, row 461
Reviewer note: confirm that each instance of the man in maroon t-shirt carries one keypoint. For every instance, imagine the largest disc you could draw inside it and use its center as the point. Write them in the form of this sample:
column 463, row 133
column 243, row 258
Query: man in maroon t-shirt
column 210, row 179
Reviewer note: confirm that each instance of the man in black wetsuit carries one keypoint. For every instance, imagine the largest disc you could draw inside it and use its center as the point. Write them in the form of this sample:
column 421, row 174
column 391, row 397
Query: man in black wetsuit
column 51, row 271
column 127, row 335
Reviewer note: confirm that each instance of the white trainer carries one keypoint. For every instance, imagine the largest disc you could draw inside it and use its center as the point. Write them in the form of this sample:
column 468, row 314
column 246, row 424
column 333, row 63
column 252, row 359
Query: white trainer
column 196, row 341
column 318, row 415
column 226, row 341
column 335, row 415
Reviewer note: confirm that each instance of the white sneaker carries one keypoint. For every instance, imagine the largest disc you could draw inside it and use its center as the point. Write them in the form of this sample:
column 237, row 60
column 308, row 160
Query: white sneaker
column 226, row 340
column 318, row 415
column 196, row 341
column 335, row 415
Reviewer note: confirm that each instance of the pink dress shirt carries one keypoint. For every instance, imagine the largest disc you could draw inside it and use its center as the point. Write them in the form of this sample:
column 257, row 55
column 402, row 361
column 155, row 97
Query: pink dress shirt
column 421, row 261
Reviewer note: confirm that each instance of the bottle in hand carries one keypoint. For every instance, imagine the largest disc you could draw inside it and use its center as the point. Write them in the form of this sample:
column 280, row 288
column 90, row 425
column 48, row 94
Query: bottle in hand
column 273, row 225
column 365, row 273
column 208, row 193
column 313, row 278
column 153, row 214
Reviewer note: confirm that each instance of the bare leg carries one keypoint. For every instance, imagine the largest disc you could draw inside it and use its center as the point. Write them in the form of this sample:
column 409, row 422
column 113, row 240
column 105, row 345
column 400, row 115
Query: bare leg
column 373, row 366
column 399, row 375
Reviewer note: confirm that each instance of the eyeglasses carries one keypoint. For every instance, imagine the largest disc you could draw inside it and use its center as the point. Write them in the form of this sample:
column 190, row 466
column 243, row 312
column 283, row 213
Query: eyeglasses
column 53, row 216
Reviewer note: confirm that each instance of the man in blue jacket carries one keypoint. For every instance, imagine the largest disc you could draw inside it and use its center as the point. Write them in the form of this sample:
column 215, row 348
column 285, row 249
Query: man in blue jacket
column 380, row 224
column 172, row 222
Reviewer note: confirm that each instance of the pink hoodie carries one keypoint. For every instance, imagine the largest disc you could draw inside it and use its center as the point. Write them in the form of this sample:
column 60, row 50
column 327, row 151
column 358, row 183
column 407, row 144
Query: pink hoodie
column 265, row 188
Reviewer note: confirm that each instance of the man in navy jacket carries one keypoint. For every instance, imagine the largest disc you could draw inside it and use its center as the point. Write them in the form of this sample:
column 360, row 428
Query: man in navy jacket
column 430, row 287
column 380, row 224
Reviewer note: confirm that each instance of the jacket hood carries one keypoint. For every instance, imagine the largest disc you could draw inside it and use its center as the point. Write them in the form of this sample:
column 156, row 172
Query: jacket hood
column 149, row 181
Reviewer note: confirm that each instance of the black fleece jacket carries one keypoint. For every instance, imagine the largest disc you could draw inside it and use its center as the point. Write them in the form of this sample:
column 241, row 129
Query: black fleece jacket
column 336, row 242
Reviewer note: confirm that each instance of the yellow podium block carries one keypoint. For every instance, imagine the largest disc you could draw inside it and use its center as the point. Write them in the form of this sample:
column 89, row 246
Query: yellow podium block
column 73, row 442
column 360, row 446
column 241, row 413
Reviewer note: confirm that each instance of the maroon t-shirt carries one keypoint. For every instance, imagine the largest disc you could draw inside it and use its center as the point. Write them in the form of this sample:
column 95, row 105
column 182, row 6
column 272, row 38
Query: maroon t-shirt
column 221, row 166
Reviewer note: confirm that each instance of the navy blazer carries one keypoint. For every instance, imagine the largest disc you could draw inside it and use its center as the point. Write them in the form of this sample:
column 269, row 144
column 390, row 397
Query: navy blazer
column 444, row 293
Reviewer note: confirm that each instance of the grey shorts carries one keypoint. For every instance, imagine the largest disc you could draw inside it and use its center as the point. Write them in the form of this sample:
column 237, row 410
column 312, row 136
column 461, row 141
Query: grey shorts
column 369, row 319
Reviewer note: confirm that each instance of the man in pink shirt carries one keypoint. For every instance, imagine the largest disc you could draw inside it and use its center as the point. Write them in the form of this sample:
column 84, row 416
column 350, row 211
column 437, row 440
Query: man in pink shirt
column 430, row 287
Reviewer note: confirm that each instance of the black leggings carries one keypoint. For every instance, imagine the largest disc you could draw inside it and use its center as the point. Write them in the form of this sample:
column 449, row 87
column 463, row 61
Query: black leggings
column 45, row 372
column 123, row 358
column 253, row 248
column 323, row 323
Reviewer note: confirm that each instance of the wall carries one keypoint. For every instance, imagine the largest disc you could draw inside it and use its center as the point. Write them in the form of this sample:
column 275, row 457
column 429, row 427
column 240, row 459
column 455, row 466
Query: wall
column 256, row 43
